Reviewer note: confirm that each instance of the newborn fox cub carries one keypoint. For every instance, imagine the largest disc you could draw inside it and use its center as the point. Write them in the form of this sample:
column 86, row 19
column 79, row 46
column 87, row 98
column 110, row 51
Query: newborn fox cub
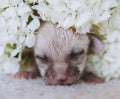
column 61, row 55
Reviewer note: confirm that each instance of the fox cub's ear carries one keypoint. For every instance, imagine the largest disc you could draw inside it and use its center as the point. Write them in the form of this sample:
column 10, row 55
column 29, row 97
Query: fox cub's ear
column 96, row 45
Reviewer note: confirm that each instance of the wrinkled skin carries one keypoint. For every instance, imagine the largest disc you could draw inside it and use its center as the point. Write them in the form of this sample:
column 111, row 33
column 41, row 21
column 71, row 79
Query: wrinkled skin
column 61, row 54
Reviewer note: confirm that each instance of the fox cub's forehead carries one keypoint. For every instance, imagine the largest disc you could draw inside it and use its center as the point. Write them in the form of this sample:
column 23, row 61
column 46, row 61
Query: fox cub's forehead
column 52, row 38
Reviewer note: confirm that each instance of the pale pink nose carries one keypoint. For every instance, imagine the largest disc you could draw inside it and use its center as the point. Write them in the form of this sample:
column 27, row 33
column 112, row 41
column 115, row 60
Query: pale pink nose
column 62, row 78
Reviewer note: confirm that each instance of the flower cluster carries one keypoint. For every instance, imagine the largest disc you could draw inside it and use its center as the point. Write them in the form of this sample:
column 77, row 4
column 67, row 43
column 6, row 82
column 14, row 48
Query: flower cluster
column 80, row 14
column 106, row 64
column 19, row 19
column 17, row 27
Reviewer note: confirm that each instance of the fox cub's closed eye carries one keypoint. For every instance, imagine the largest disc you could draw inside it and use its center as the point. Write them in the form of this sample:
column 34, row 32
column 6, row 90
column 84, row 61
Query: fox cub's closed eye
column 43, row 59
column 75, row 55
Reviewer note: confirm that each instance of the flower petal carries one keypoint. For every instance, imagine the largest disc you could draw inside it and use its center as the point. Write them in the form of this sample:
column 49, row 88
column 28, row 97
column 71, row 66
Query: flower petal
column 30, row 40
column 34, row 24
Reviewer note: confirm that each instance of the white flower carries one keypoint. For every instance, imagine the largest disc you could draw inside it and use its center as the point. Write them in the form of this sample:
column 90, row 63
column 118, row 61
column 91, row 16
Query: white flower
column 23, row 8
column 3, row 3
column 105, row 15
column 30, row 40
column 85, row 28
column 2, row 48
column 114, row 20
column 33, row 25
column 4, row 37
column 107, row 4
column 9, row 12
column 2, row 22
column 24, row 20
column 42, row 9
column 13, row 25
column 82, row 19
column 58, row 6
column 74, row 4
column 14, row 2
column 69, row 21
